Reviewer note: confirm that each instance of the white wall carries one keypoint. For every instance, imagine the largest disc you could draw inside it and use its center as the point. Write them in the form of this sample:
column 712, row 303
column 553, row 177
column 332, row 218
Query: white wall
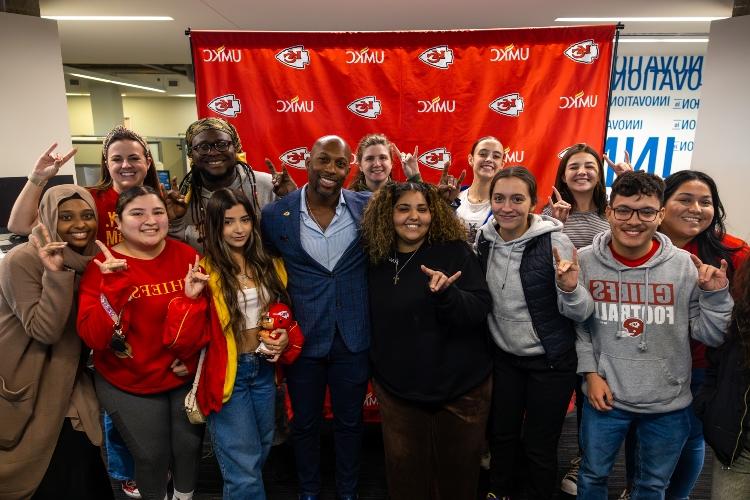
column 721, row 139
column 33, row 110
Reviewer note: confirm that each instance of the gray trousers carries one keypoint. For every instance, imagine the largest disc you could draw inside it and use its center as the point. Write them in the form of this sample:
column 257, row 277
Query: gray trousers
column 158, row 434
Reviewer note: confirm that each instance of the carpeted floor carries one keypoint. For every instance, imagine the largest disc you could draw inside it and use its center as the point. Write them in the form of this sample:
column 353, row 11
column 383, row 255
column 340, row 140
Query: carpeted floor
column 281, row 483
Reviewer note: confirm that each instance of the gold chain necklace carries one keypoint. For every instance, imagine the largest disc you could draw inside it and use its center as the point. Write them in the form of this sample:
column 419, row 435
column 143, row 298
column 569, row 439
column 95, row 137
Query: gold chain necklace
column 395, row 261
column 312, row 215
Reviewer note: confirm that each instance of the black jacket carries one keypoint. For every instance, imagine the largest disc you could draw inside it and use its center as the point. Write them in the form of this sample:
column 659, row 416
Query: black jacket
column 722, row 402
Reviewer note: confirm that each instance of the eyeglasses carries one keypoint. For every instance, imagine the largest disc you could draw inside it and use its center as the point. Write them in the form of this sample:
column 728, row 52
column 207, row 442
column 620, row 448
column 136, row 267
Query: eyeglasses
column 205, row 147
column 646, row 214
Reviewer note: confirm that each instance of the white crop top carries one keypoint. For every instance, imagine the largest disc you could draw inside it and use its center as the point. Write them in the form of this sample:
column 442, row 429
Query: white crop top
column 248, row 301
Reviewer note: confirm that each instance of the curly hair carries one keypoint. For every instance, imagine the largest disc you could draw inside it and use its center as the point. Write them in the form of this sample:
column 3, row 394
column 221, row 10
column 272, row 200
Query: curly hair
column 378, row 232
column 599, row 195
column 638, row 183
column 120, row 133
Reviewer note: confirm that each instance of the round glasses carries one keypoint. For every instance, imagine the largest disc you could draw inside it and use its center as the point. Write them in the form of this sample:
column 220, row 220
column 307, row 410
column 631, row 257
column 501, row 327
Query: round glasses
column 205, row 147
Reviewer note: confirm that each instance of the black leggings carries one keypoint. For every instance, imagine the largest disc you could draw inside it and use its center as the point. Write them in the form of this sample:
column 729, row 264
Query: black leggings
column 158, row 434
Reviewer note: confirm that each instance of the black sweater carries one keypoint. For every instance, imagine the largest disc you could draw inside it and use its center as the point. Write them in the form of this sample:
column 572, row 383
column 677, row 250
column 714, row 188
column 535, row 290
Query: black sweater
column 723, row 399
column 430, row 347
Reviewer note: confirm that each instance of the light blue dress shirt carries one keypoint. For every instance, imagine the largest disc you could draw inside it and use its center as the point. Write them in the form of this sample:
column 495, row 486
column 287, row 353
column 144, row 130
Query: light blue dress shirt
column 327, row 247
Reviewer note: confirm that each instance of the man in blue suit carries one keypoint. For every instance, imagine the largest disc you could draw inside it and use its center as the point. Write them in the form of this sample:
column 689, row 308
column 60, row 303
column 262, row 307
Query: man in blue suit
column 316, row 231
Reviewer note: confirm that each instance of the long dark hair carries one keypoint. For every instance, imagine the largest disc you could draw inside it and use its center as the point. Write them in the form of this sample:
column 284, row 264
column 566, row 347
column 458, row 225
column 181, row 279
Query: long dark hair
column 599, row 196
column 711, row 249
column 217, row 252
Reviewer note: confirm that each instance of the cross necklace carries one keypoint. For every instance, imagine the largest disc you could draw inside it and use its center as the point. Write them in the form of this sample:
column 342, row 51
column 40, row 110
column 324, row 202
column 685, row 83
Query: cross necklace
column 395, row 261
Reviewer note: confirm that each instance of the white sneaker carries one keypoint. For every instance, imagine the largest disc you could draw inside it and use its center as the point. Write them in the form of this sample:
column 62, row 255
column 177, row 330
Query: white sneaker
column 569, row 482
column 625, row 495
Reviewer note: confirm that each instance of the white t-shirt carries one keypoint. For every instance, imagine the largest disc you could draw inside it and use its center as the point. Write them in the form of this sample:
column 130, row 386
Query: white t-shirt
column 473, row 215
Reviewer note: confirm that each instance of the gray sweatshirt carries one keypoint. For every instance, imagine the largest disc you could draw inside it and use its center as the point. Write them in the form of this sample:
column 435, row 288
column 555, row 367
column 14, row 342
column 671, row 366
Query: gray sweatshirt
column 638, row 339
column 509, row 320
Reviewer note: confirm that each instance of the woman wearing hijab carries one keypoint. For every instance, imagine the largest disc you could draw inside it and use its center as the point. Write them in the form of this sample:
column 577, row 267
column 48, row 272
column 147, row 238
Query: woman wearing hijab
column 50, row 429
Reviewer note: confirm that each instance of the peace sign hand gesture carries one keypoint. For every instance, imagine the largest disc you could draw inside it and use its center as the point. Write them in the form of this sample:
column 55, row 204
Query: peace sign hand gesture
column 50, row 252
column 449, row 186
column 566, row 270
column 110, row 264
column 195, row 280
column 438, row 280
column 283, row 184
column 710, row 278
column 48, row 164
column 560, row 208
column 621, row 167
column 409, row 162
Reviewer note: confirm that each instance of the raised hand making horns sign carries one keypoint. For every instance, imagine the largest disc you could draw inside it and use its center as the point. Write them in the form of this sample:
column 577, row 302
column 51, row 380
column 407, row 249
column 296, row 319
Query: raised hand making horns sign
column 560, row 208
column 283, row 183
column 438, row 280
column 566, row 271
column 710, row 278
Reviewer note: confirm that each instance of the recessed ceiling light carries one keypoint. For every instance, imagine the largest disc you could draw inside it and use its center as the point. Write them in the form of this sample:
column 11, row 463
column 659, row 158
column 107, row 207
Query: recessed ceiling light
column 704, row 19
column 101, row 77
column 77, row 94
column 662, row 40
column 109, row 18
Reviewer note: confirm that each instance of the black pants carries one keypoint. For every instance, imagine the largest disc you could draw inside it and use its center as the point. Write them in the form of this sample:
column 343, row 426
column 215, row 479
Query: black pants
column 529, row 403
column 76, row 469
column 158, row 435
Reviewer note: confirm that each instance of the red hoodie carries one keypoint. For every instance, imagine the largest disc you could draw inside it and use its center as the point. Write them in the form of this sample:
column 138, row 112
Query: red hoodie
column 152, row 285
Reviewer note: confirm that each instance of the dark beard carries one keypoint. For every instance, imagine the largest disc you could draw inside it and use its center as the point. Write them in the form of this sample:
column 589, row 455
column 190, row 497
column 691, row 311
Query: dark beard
column 213, row 182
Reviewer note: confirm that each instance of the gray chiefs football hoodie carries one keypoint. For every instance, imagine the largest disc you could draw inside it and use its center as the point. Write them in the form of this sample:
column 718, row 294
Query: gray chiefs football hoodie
column 638, row 337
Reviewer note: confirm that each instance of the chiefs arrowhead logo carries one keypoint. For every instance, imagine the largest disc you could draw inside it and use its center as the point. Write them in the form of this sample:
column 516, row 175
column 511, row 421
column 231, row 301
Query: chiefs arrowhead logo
column 438, row 57
column 633, row 326
column 296, row 57
column 585, row 52
column 508, row 104
column 366, row 107
column 225, row 105
column 435, row 158
column 295, row 157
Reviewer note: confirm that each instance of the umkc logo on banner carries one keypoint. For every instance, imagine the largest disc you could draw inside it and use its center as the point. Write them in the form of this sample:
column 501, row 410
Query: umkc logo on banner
column 413, row 87
column 222, row 55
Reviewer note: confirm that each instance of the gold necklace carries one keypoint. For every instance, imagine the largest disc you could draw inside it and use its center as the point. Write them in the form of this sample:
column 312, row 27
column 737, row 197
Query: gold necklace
column 245, row 280
column 312, row 215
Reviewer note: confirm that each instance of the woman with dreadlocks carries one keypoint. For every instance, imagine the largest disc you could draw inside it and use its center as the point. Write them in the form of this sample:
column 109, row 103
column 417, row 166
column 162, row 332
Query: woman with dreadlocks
column 217, row 161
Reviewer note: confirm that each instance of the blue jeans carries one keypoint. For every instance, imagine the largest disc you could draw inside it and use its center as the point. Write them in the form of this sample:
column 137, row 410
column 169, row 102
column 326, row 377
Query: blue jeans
column 345, row 373
column 242, row 431
column 690, row 465
column 120, row 464
column 661, row 437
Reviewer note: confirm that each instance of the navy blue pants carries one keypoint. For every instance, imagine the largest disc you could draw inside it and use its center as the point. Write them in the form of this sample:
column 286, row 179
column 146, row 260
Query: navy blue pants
column 346, row 374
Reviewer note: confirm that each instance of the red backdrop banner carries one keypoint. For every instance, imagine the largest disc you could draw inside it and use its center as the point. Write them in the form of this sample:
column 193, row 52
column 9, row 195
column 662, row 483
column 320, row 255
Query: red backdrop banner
column 538, row 90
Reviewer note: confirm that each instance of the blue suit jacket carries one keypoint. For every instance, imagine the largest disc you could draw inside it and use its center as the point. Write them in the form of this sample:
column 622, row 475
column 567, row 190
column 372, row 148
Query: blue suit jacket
column 321, row 299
